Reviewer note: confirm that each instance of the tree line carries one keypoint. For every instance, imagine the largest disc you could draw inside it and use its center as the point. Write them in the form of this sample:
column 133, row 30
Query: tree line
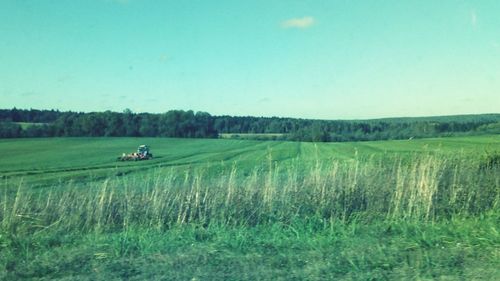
column 16, row 123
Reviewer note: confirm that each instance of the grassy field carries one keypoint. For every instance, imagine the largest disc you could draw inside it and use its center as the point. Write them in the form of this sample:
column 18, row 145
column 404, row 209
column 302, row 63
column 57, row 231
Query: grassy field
column 25, row 125
column 249, row 136
column 38, row 161
column 250, row 210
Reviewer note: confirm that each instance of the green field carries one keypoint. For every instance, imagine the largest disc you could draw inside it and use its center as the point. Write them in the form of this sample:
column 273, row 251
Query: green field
column 39, row 160
column 250, row 210
column 25, row 125
column 254, row 136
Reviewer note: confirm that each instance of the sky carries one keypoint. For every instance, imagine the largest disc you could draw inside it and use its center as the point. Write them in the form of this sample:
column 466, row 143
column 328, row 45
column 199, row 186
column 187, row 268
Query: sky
column 334, row 59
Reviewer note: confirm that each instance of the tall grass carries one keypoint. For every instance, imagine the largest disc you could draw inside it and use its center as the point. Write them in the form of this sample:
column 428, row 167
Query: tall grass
column 417, row 188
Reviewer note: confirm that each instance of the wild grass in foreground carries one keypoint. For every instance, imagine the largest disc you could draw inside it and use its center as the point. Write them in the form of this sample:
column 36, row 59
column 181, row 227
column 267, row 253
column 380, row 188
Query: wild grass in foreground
column 422, row 217
column 422, row 188
column 305, row 249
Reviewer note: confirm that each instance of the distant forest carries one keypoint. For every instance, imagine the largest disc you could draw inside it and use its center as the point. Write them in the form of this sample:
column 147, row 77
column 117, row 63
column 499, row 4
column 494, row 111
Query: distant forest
column 22, row 123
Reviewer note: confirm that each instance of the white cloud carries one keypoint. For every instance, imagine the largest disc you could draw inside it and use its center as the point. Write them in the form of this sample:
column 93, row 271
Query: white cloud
column 473, row 18
column 164, row 58
column 304, row 22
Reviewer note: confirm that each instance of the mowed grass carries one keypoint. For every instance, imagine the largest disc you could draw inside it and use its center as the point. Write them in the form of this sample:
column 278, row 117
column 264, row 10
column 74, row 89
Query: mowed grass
column 39, row 161
column 250, row 210
column 43, row 161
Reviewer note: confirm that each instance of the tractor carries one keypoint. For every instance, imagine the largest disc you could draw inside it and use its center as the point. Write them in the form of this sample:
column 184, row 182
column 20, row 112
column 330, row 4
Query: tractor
column 142, row 153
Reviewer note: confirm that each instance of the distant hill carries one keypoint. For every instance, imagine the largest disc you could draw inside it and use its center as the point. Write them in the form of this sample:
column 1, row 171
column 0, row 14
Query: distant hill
column 489, row 117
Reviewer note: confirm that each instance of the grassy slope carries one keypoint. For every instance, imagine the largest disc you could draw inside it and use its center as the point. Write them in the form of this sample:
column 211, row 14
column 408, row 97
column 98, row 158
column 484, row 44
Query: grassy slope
column 465, row 247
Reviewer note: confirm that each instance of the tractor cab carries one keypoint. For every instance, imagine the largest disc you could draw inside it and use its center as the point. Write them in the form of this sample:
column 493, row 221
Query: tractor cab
column 143, row 152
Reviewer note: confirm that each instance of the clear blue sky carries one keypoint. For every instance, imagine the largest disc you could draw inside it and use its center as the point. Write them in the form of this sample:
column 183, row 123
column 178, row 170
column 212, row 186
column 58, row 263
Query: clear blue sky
column 312, row 59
